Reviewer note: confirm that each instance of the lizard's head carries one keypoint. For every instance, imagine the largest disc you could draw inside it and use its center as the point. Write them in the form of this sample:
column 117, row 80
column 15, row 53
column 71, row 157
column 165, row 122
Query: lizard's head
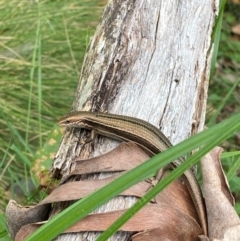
column 68, row 121
column 74, row 119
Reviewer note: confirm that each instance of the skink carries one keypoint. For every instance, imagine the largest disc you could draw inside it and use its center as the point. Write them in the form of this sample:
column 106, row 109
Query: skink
column 142, row 133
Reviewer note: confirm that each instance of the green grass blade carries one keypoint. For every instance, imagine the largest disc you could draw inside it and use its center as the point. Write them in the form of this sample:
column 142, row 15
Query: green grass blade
column 15, row 135
column 230, row 154
column 5, row 156
column 32, row 71
column 216, row 36
column 233, row 169
column 212, row 121
column 23, row 157
column 3, row 229
column 39, row 75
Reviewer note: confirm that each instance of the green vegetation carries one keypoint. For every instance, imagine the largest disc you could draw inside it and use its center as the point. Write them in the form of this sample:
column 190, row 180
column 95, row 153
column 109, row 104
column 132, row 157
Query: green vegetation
column 41, row 51
column 223, row 96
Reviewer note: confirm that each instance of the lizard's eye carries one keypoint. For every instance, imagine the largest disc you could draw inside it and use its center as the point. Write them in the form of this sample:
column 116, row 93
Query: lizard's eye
column 67, row 122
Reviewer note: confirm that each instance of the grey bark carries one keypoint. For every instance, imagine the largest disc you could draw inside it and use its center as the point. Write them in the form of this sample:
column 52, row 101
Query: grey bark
column 147, row 59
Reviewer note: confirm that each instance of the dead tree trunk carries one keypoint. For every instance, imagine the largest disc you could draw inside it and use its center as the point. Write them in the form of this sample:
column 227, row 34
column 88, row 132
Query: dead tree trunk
column 147, row 59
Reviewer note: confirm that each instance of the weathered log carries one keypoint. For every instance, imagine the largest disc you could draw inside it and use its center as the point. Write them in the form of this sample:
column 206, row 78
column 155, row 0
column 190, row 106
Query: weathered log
column 147, row 59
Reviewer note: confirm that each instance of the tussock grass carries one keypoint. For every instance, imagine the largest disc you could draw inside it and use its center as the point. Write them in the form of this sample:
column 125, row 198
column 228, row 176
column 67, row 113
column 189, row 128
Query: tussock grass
column 42, row 44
